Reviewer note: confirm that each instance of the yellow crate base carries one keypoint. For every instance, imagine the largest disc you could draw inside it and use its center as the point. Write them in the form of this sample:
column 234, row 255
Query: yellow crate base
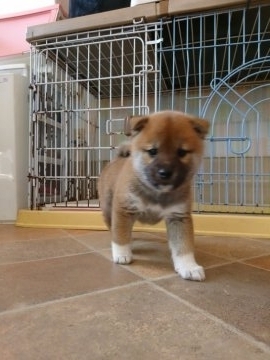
column 204, row 224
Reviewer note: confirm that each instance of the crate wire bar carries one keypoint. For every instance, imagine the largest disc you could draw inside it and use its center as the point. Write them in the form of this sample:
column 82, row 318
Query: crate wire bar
column 214, row 65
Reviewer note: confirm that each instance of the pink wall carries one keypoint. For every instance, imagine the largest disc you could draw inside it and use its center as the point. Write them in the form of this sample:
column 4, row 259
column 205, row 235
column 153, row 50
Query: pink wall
column 13, row 28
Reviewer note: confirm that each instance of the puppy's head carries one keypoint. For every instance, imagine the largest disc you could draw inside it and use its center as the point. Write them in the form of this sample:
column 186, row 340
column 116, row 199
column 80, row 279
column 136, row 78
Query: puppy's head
column 166, row 148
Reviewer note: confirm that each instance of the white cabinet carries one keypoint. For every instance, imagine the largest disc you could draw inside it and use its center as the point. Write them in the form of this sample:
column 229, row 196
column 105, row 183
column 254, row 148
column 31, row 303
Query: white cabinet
column 14, row 139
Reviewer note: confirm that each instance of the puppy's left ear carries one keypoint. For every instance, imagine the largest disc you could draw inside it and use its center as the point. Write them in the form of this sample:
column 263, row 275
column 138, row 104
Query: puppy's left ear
column 201, row 126
column 134, row 124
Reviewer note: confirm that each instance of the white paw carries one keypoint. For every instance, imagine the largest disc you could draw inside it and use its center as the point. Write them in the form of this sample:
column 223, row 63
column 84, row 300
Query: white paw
column 187, row 267
column 121, row 253
column 195, row 273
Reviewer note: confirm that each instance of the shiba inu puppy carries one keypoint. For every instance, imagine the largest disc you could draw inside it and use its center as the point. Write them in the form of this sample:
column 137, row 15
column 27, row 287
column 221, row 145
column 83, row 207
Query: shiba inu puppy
column 151, row 180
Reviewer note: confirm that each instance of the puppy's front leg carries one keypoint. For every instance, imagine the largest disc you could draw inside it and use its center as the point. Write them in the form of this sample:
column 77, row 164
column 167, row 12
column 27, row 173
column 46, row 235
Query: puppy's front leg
column 181, row 242
column 122, row 224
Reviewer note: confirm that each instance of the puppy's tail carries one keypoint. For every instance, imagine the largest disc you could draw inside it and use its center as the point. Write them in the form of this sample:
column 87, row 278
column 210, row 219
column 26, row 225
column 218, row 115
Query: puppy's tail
column 124, row 150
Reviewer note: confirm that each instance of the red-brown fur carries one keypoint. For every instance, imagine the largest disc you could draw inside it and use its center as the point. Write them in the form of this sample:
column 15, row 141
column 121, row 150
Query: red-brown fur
column 151, row 180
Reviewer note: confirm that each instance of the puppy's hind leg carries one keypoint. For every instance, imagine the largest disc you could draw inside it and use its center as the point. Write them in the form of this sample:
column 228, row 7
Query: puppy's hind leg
column 181, row 240
column 121, row 238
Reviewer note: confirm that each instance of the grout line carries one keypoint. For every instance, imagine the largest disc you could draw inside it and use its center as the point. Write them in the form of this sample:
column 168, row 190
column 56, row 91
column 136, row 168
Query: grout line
column 31, row 307
column 254, row 266
column 264, row 347
column 131, row 269
column 47, row 258
column 81, row 242
column 35, row 239
column 225, row 263
column 211, row 254
column 255, row 257
column 164, row 277
column 232, row 260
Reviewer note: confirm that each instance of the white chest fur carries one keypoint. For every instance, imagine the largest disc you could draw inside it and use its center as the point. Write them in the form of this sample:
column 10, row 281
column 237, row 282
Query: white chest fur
column 152, row 213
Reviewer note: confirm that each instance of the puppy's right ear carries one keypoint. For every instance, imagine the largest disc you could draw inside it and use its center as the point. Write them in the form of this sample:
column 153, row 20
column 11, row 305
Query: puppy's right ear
column 134, row 124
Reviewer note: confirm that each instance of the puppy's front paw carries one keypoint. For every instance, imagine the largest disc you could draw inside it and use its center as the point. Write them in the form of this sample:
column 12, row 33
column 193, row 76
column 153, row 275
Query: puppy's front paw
column 195, row 273
column 121, row 254
column 187, row 267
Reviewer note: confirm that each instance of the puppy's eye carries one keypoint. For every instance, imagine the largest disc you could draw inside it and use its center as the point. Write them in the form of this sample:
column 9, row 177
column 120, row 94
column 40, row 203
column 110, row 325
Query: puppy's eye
column 182, row 152
column 152, row 152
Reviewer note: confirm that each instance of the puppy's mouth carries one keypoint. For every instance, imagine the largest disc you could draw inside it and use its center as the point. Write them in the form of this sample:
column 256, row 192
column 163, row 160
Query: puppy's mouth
column 163, row 188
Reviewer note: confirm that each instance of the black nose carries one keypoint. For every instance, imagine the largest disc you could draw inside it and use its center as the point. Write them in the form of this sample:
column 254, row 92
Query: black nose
column 164, row 173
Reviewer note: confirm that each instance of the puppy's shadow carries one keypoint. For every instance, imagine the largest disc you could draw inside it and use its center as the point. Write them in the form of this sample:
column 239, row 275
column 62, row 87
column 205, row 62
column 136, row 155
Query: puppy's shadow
column 152, row 256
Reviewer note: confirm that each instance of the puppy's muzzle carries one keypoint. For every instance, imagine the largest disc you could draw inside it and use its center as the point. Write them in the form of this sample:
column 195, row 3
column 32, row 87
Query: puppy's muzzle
column 165, row 173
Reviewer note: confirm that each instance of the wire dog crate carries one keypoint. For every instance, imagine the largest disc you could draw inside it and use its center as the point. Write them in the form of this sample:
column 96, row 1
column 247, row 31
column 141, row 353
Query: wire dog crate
column 215, row 65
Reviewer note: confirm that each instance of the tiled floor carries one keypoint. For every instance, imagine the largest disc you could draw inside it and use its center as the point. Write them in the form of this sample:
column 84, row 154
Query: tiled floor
column 61, row 297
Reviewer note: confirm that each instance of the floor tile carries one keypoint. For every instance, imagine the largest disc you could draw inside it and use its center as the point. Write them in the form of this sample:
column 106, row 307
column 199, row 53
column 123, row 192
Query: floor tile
column 102, row 239
column 26, row 250
column 135, row 322
column 62, row 297
column 79, row 232
column 151, row 259
column 13, row 233
column 45, row 280
column 236, row 293
column 149, row 236
column 208, row 260
column 232, row 248
column 95, row 240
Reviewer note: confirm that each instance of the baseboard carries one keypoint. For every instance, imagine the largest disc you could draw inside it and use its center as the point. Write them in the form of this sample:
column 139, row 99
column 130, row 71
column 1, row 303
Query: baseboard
column 205, row 224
